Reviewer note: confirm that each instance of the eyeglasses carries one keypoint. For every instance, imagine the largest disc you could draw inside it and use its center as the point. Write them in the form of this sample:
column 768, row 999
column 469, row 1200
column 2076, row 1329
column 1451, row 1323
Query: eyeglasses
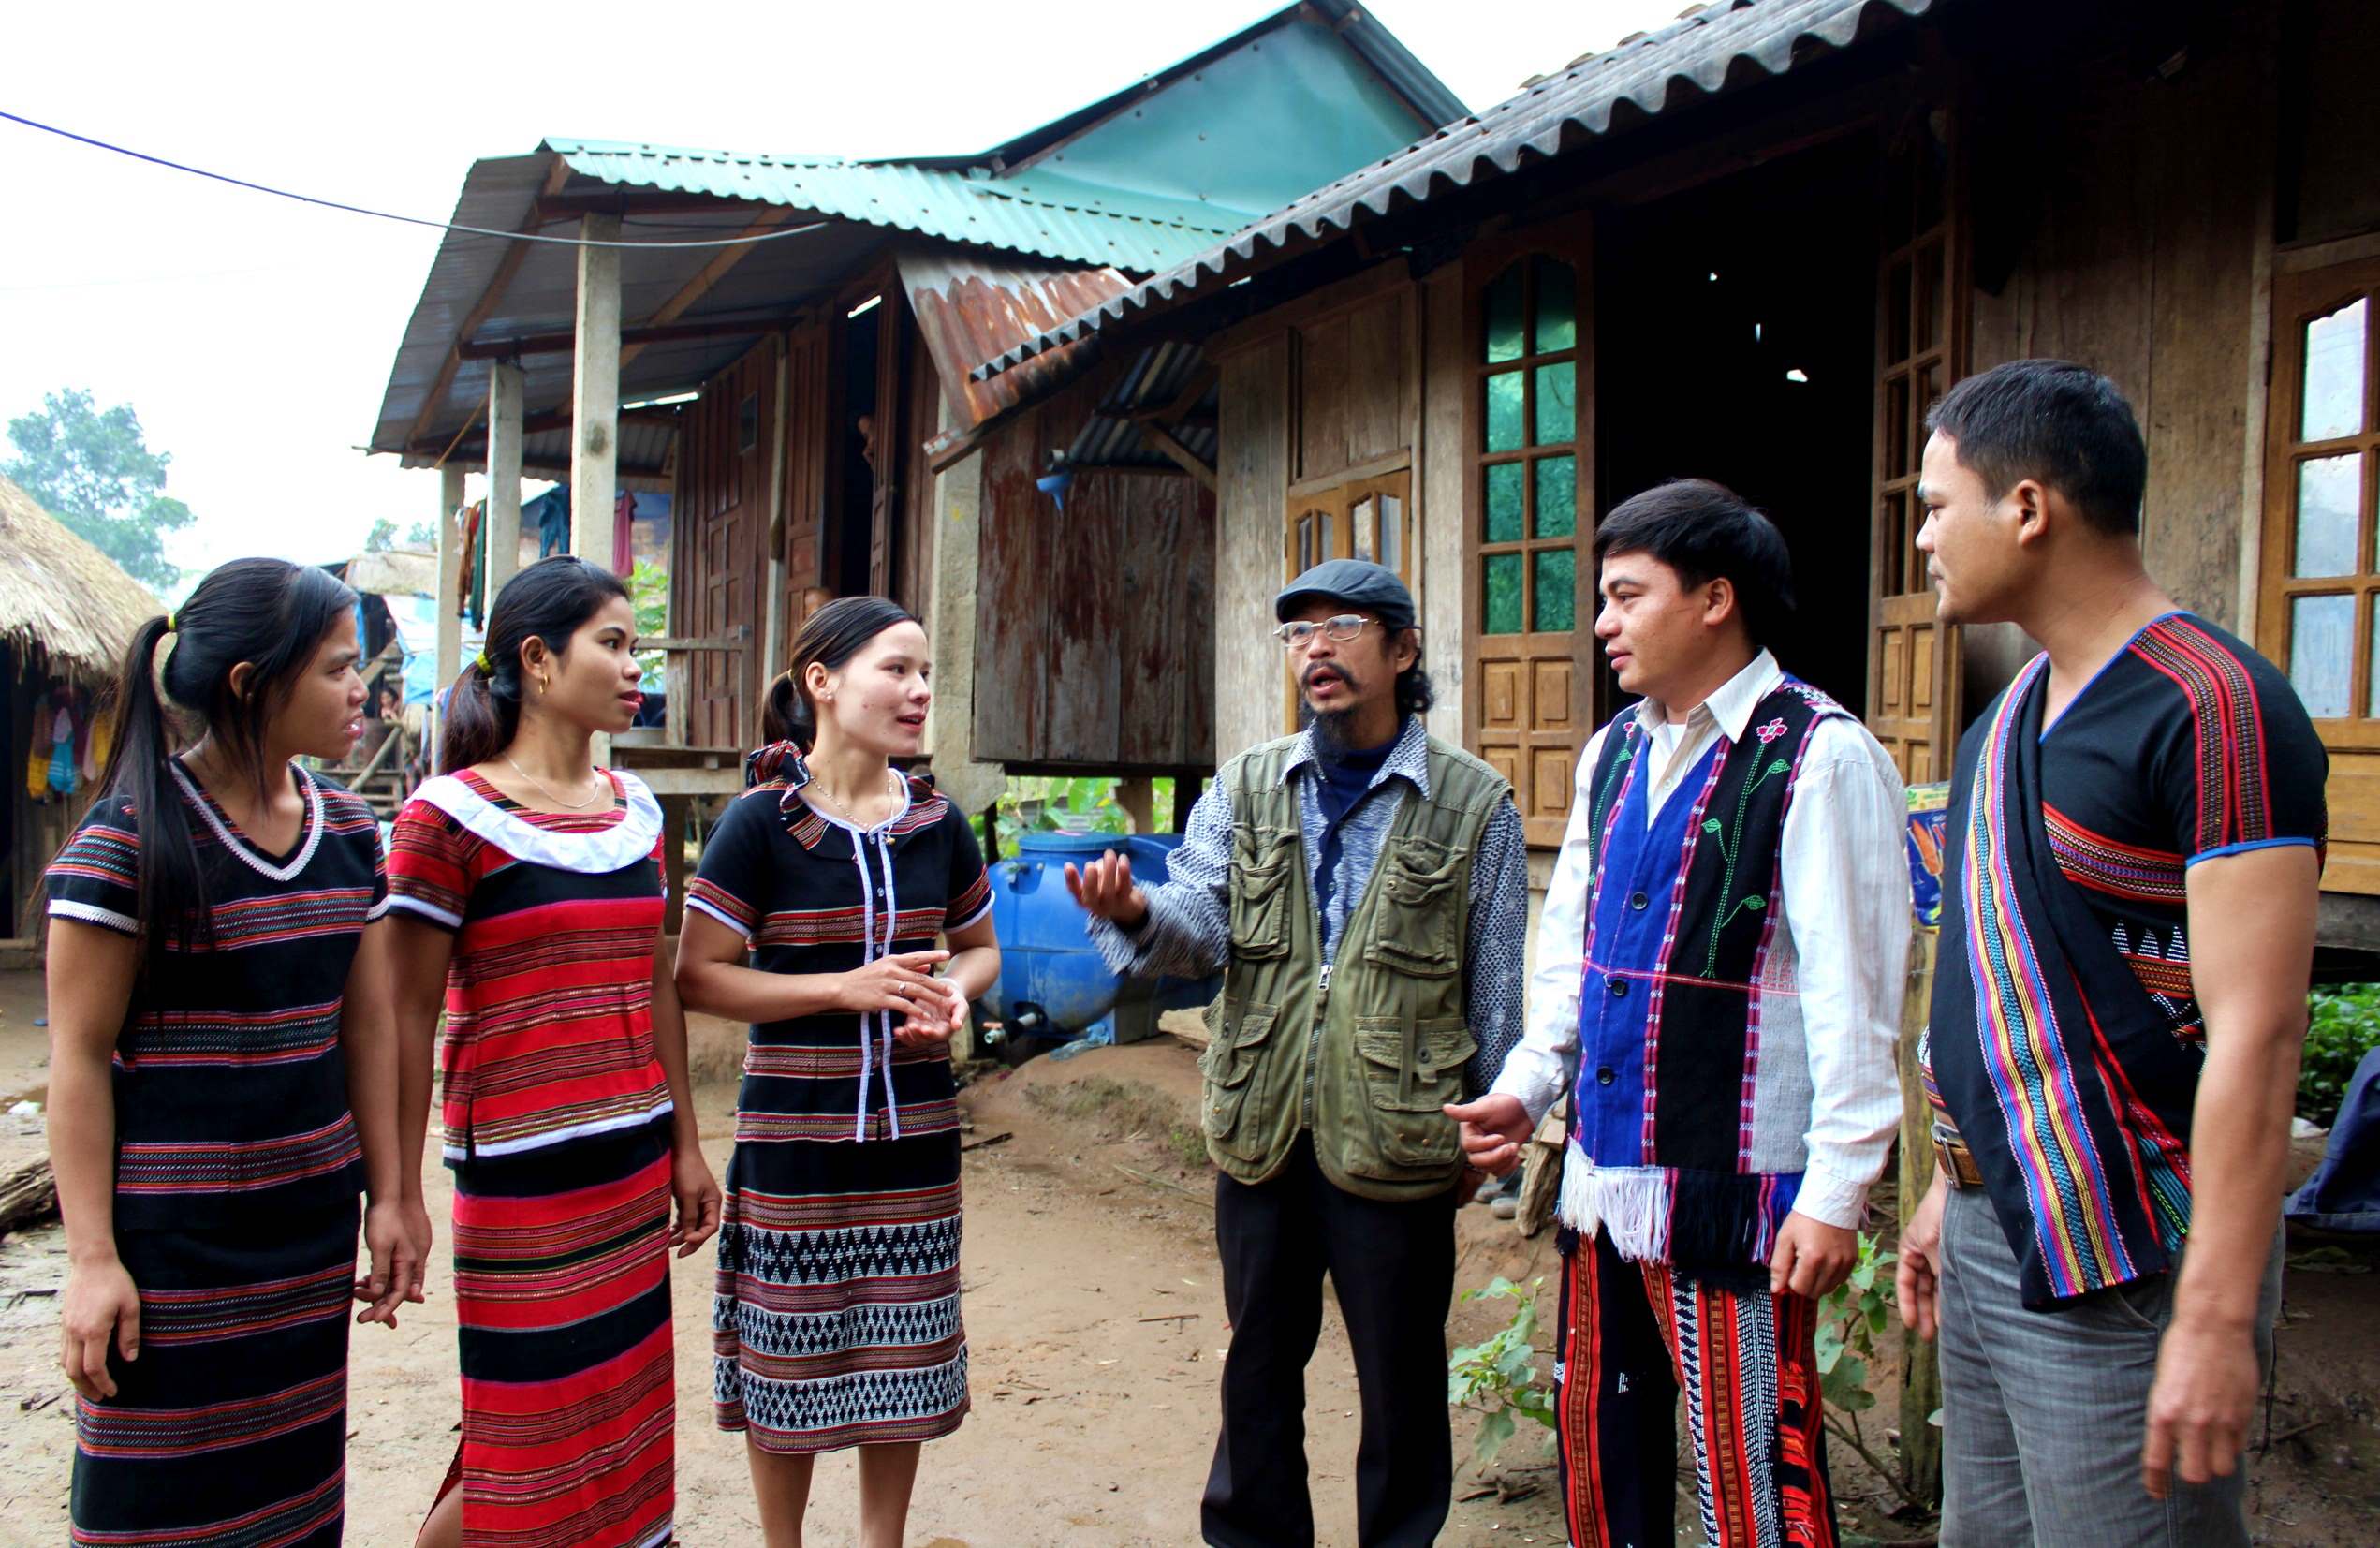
column 1345, row 626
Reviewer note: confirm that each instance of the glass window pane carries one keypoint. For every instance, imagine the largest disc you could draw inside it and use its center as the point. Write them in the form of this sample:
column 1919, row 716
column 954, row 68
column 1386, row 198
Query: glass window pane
column 2334, row 375
column 1557, row 306
column 1327, row 541
column 1503, row 317
column 1393, row 532
column 1896, row 315
column 1557, row 496
column 2327, row 488
column 1557, row 403
column 1305, row 544
column 1361, row 523
column 1503, row 502
column 1501, row 613
column 2322, row 653
column 1557, row 589
column 1503, row 412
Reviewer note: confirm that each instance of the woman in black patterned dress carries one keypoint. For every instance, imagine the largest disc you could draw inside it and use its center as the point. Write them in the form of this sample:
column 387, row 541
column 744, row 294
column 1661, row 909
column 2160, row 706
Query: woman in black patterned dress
column 837, row 1312
column 223, row 1079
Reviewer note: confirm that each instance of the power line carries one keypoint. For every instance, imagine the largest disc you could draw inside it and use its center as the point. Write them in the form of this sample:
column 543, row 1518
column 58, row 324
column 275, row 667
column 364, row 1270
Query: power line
column 383, row 215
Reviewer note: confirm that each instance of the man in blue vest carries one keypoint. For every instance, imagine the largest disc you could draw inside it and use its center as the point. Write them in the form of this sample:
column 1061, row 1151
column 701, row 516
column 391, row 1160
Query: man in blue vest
column 1718, row 986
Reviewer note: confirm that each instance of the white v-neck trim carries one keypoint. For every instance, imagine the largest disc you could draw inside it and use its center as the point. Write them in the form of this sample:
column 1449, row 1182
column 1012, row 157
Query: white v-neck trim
column 230, row 838
column 596, row 852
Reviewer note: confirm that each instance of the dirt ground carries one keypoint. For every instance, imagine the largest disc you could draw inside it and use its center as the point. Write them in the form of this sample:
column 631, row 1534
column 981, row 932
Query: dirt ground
column 1096, row 1329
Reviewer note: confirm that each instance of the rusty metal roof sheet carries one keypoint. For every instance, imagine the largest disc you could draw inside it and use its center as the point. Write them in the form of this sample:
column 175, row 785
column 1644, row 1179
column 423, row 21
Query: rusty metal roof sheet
column 1111, row 437
column 1723, row 47
column 970, row 306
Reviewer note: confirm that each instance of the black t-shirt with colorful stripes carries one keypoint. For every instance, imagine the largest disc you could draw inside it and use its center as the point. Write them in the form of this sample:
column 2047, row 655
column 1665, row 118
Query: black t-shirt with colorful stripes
column 230, row 1088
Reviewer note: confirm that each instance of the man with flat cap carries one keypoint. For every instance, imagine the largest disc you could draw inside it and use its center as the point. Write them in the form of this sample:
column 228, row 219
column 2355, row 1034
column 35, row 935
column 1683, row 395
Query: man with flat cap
column 1364, row 889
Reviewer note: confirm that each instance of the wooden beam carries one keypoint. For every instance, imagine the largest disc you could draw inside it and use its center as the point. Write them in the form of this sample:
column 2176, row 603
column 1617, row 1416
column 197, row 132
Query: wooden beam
column 594, row 393
column 485, row 307
column 449, row 601
column 1184, row 400
column 504, row 473
column 562, row 344
column 1158, row 437
column 710, row 273
column 552, row 418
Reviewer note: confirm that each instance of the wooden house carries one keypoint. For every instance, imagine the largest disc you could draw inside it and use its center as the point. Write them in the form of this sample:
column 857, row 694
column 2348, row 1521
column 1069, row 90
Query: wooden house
column 802, row 386
column 1756, row 245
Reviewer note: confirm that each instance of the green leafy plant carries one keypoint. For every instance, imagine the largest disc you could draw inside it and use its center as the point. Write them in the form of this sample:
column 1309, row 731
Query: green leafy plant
column 648, row 594
column 1035, row 803
column 2345, row 1026
column 1498, row 1377
column 1851, row 1317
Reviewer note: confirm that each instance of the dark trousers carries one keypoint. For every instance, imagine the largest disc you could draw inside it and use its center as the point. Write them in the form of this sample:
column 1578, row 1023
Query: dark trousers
column 1392, row 1266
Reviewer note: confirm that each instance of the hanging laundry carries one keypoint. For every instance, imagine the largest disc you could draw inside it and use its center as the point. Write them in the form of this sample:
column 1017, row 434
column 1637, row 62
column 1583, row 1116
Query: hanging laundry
column 62, row 774
column 552, row 512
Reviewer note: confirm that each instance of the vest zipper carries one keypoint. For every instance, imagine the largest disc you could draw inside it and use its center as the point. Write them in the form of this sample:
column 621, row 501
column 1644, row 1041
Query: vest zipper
column 1313, row 1043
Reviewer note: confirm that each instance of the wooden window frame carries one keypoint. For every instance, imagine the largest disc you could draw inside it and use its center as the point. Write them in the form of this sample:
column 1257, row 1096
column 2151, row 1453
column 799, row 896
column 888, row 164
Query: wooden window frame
column 1337, row 503
column 2299, row 297
column 1548, row 745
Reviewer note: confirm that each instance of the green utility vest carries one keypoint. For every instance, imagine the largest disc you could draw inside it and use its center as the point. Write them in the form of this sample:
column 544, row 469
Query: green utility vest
column 1366, row 1051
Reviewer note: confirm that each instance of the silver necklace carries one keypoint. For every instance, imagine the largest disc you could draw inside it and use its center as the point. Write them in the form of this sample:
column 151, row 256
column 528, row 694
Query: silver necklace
column 574, row 806
column 842, row 811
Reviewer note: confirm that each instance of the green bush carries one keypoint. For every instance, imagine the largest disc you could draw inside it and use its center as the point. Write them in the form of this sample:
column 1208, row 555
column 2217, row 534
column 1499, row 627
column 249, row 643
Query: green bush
column 2346, row 1026
column 1498, row 1377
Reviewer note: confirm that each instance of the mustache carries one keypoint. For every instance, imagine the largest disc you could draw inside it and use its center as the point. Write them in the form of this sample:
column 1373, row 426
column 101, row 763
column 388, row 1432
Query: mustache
column 1321, row 669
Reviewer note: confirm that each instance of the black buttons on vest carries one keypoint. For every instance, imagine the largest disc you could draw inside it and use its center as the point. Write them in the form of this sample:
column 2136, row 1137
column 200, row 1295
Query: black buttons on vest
column 1638, row 901
column 1618, row 989
column 1606, row 1075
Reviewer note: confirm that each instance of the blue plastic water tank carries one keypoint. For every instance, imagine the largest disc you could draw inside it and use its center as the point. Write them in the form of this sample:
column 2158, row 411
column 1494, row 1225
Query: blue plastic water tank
column 1052, row 980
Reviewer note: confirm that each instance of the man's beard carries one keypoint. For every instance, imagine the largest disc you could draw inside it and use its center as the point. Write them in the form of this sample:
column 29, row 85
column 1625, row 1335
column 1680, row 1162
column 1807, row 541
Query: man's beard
column 1329, row 729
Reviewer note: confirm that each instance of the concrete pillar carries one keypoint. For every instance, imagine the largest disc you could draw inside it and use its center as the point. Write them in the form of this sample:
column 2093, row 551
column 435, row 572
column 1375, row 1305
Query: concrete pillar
column 594, row 393
column 504, row 475
column 449, row 586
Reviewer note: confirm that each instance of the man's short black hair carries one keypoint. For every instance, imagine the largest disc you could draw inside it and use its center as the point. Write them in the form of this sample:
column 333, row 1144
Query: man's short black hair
column 1704, row 531
column 2052, row 421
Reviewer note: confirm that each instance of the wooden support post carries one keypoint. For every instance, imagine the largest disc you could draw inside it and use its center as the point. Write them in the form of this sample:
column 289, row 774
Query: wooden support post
column 1139, row 798
column 674, row 809
column 504, row 475
column 449, row 586
column 1920, row 1366
column 594, row 393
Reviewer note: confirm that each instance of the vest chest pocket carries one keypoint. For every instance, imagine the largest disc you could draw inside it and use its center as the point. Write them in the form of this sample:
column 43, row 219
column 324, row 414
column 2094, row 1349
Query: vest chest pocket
column 1227, row 1064
column 1417, row 928
column 1404, row 1098
column 1263, row 862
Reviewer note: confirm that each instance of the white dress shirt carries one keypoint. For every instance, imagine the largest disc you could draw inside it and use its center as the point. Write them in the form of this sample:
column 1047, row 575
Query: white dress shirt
column 1843, row 899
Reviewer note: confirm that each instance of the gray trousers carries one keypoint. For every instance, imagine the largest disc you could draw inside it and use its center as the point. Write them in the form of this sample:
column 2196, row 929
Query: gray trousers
column 2043, row 1413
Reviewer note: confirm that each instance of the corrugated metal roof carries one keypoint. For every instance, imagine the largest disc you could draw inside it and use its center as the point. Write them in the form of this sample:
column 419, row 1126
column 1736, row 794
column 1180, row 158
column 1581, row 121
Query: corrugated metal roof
column 970, row 306
column 1723, row 47
column 1137, row 232
column 1161, row 374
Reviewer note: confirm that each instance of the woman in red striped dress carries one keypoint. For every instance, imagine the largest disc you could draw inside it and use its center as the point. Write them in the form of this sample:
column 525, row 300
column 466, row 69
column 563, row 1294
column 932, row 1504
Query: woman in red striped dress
column 528, row 884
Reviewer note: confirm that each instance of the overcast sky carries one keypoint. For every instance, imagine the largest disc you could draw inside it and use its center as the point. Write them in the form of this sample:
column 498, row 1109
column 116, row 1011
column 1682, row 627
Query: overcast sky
column 254, row 335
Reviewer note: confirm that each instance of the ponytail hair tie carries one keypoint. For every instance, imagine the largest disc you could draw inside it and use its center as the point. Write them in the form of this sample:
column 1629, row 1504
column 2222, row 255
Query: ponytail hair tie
column 486, row 668
column 168, row 622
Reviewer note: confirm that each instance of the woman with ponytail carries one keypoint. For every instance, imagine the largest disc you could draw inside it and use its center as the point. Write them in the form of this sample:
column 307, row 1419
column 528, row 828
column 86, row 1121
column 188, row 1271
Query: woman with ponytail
column 223, row 1077
column 526, row 891
column 816, row 915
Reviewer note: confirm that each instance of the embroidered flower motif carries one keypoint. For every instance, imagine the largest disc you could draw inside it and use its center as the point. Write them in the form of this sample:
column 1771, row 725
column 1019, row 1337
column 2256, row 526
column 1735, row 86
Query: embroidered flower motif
column 1773, row 731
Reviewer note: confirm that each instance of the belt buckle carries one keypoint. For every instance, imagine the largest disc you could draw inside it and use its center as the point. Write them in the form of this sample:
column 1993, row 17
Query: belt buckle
column 1956, row 1161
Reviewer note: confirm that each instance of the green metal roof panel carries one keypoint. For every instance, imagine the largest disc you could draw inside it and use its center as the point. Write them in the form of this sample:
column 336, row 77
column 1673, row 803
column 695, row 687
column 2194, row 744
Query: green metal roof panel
column 1284, row 112
column 1140, row 234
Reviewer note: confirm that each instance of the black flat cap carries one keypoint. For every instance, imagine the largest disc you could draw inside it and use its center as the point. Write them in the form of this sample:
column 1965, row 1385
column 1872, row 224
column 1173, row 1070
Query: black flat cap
column 1359, row 582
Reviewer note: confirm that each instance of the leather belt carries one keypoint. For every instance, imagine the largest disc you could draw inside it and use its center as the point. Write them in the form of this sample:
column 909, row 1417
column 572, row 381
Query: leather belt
column 1957, row 1161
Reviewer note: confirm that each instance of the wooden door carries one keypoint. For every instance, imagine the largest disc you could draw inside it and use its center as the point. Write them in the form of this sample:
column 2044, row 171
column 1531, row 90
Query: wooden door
column 724, row 485
column 1363, row 519
column 1913, row 663
column 809, row 471
column 1530, row 413
column 2320, row 581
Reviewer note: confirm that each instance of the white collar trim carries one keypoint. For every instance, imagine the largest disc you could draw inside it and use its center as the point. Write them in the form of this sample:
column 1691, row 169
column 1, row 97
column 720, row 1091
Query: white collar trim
column 238, row 846
column 1731, row 703
column 595, row 853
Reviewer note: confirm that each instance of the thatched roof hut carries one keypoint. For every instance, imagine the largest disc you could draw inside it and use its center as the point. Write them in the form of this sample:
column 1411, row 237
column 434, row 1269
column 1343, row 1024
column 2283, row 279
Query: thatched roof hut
column 59, row 596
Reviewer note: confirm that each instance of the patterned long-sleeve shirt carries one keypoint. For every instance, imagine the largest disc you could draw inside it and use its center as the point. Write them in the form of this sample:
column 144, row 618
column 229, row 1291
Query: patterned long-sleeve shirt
column 1188, row 930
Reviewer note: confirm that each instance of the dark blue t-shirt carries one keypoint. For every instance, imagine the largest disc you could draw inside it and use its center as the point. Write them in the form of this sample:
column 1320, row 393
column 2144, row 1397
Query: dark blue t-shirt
column 1345, row 779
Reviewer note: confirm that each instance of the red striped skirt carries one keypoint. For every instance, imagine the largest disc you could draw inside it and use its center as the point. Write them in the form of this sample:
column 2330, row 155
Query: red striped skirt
column 562, row 1287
